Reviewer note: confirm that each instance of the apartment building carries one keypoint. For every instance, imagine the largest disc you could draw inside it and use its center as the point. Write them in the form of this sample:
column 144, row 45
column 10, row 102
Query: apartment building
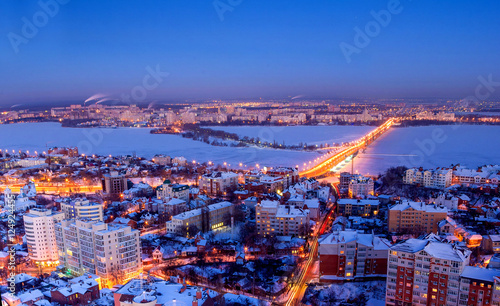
column 345, row 179
column 347, row 255
column 415, row 217
column 479, row 286
column 271, row 183
column 290, row 175
column 82, row 208
column 491, row 243
column 273, row 218
column 425, row 272
column 432, row 178
column 39, row 225
column 114, row 183
column 360, row 186
column 204, row 219
column 218, row 182
column 169, row 190
column 355, row 207
column 111, row 251
column 489, row 174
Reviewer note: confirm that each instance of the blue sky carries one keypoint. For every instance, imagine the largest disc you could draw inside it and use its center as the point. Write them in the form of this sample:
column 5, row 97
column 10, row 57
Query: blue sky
column 269, row 49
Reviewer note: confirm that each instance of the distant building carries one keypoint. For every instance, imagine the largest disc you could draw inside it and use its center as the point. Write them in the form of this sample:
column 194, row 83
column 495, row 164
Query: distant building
column 169, row 190
column 82, row 208
column 39, row 226
column 272, row 183
column 415, row 217
column 483, row 175
column 354, row 207
column 345, row 179
column 218, row 182
column 273, row 218
column 70, row 152
column 204, row 219
column 114, row 183
column 432, row 178
column 290, row 175
column 349, row 255
column 162, row 160
column 360, row 186
column 180, row 161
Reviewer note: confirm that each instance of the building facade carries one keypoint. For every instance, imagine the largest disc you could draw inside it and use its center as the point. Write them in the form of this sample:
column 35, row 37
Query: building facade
column 347, row 255
column 110, row 251
column 354, row 207
column 39, row 225
column 273, row 218
column 204, row 219
column 114, row 183
column 82, row 208
column 432, row 178
column 360, row 186
column 425, row 272
column 218, row 182
column 415, row 217
column 169, row 190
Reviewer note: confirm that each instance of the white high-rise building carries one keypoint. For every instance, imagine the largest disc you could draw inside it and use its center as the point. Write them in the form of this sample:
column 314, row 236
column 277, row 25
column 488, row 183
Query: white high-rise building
column 111, row 251
column 40, row 235
column 82, row 208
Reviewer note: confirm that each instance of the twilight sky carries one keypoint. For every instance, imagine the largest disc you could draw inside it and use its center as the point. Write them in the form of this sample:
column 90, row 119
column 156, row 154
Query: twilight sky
column 245, row 49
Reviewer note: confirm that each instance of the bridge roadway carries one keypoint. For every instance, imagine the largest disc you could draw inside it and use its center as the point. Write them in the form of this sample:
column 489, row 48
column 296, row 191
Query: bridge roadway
column 325, row 166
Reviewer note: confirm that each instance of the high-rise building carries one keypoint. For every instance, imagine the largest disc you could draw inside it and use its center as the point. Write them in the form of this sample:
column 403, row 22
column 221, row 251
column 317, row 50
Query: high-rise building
column 39, row 225
column 425, row 272
column 347, row 255
column 114, row 183
column 82, row 208
column 111, row 251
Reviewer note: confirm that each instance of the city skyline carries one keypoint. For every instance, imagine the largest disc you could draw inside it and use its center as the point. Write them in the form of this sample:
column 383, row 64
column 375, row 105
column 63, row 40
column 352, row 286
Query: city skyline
column 245, row 50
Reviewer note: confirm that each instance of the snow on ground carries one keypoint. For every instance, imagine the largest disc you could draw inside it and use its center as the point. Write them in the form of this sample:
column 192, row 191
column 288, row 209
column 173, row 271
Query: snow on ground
column 293, row 135
column 125, row 141
column 370, row 293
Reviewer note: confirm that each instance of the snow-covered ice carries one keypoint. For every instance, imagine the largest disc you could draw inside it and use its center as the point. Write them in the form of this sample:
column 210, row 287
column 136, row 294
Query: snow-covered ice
column 428, row 146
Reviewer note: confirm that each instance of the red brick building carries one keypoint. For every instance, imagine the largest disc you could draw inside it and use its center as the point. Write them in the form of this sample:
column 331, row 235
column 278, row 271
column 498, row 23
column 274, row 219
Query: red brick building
column 477, row 286
column 347, row 255
column 80, row 293
column 425, row 272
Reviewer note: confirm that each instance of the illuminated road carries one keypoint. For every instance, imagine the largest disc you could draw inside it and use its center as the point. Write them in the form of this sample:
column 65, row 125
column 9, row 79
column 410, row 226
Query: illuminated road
column 306, row 274
column 56, row 188
column 326, row 165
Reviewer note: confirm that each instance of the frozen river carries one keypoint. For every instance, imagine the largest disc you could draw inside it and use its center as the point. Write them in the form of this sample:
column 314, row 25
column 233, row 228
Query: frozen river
column 428, row 146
